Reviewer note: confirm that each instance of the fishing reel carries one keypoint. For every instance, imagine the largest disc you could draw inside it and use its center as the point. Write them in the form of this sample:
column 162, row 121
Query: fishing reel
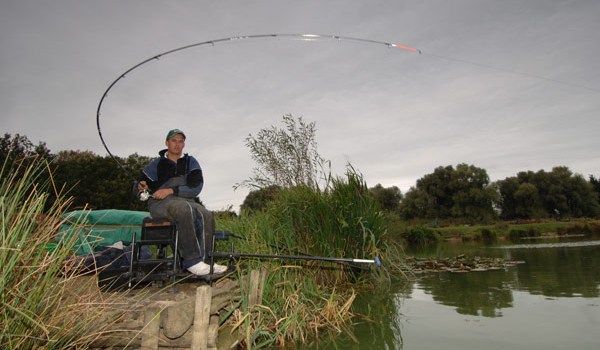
column 144, row 195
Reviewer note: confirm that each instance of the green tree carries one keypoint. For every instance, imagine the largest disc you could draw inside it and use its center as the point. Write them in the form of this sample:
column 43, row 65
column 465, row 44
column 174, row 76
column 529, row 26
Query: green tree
column 581, row 197
column 527, row 201
column 389, row 198
column 285, row 157
column 416, row 204
column 505, row 203
column 472, row 197
column 539, row 194
column 565, row 194
column 437, row 188
column 258, row 199
column 461, row 193
column 19, row 147
column 595, row 182
column 98, row 182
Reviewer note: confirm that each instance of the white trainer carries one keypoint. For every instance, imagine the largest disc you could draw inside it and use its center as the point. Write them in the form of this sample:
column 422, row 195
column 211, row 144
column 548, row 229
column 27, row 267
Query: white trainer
column 219, row 268
column 202, row 269
column 199, row 269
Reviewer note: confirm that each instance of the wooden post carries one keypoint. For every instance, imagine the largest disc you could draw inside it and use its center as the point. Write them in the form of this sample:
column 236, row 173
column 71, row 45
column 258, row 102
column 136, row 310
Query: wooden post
column 151, row 329
column 257, row 285
column 201, row 318
column 254, row 290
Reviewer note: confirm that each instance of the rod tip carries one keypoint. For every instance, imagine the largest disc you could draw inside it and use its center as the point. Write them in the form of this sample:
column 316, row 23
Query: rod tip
column 377, row 261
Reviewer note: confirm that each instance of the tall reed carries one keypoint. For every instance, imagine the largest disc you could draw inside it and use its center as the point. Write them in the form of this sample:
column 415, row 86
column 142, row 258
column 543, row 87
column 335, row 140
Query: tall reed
column 42, row 304
column 303, row 298
column 341, row 219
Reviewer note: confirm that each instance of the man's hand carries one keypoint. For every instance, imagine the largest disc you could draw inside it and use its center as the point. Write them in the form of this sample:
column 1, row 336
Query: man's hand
column 162, row 193
column 142, row 186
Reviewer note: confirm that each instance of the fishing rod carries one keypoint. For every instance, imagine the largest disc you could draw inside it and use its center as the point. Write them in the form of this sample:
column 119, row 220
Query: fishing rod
column 232, row 255
column 223, row 234
column 302, row 37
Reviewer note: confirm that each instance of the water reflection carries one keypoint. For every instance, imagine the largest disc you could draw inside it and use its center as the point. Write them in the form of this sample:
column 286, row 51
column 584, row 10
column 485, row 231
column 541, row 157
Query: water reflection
column 474, row 293
column 559, row 272
column 518, row 307
column 551, row 270
column 380, row 329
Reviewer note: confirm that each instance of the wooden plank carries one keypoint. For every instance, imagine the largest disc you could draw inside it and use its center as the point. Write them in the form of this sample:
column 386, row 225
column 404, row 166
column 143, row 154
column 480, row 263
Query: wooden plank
column 213, row 331
column 201, row 318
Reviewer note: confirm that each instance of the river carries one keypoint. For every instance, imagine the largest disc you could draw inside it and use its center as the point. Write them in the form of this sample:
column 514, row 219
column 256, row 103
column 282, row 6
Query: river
column 549, row 301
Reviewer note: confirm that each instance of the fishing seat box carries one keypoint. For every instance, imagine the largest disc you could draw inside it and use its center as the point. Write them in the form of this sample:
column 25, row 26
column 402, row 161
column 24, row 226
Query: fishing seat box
column 161, row 262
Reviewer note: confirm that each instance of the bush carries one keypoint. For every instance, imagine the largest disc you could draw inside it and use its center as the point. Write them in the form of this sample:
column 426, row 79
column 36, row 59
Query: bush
column 587, row 229
column 488, row 236
column 420, row 236
column 594, row 229
column 517, row 234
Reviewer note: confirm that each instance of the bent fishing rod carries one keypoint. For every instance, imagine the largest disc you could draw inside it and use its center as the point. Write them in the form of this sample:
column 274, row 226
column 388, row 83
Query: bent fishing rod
column 306, row 37
column 301, row 37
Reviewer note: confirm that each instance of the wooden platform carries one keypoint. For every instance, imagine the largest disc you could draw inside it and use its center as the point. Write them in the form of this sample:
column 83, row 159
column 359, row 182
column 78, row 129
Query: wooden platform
column 186, row 317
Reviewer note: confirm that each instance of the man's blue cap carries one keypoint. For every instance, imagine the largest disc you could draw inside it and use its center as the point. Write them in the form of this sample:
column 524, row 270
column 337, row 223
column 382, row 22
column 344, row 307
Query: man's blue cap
column 175, row 132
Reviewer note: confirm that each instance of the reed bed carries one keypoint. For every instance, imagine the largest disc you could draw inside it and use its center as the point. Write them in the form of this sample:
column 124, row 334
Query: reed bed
column 45, row 304
column 303, row 299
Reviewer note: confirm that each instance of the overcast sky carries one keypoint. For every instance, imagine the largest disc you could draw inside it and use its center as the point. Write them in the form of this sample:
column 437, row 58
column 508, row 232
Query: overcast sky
column 507, row 85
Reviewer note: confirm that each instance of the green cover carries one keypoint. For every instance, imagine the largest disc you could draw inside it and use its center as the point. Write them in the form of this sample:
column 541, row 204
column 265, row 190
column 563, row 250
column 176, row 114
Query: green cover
column 97, row 228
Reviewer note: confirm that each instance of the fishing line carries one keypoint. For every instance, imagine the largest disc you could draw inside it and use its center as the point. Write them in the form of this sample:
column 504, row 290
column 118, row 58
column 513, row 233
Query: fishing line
column 304, row 37
column 510, row 71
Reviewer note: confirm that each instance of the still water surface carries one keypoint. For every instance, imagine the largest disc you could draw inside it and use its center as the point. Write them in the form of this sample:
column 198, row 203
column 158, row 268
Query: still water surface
column 550, row 301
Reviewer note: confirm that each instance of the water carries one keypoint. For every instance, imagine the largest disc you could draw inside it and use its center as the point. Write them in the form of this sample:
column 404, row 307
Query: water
column 551, row 301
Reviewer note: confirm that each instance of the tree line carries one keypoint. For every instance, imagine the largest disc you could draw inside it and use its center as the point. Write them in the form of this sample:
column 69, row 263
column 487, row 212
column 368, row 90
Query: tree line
column 94, row 182
column 465, row 192
column 462, row 192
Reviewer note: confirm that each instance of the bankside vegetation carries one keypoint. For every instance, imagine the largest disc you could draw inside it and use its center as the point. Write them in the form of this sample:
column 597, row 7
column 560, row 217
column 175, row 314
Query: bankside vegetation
column 43, row 304
column 304, row 298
